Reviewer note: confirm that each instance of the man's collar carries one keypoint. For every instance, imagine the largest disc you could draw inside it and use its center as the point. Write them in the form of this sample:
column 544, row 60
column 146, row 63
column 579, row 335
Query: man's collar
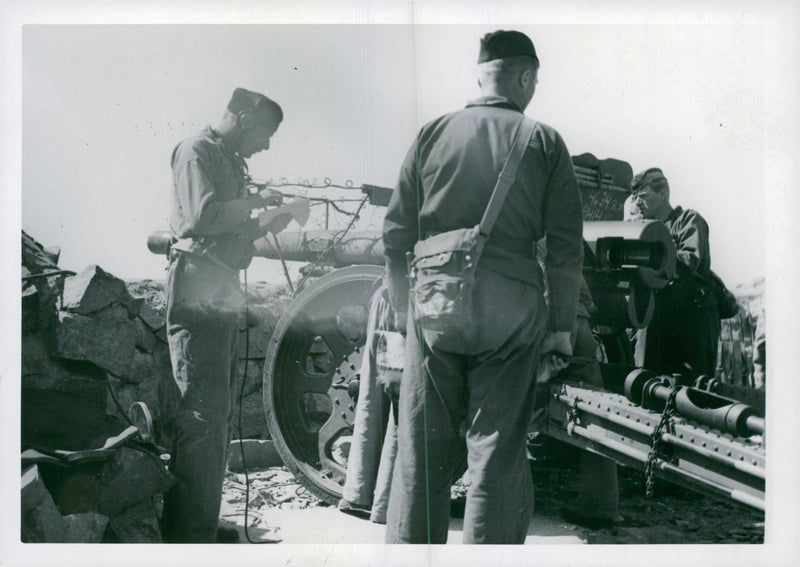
column 493, row 100
column 674, row 214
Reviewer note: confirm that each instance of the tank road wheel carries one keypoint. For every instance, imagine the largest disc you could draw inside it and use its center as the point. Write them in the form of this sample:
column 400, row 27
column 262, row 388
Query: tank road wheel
column 311, row 377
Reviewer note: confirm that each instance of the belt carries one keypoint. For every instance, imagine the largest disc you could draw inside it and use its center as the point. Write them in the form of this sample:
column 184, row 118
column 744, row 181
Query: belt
column 512, row 264
column 521, row 246
column 199, row 250
column 511, row 257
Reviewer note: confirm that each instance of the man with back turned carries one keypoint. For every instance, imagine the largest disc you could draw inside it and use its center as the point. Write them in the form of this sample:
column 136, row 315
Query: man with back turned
column 484, row 393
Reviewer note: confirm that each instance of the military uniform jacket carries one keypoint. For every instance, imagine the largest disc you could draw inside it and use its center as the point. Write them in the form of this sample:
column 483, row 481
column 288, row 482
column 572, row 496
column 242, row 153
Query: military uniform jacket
column 447, row 179
column 689, row 231
column 209, row 208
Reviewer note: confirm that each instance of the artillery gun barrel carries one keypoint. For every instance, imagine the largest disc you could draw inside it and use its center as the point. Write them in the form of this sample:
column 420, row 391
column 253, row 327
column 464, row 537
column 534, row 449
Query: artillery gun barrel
column 354, row 247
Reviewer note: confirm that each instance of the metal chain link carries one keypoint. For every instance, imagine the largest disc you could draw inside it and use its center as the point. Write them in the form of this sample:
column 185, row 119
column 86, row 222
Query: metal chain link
column 656, row 448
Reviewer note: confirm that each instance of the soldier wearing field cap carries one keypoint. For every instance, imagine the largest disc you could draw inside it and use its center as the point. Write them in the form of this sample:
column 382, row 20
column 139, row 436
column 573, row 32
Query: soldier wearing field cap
column 482, row 393
column 683, row 335
column 212, row 241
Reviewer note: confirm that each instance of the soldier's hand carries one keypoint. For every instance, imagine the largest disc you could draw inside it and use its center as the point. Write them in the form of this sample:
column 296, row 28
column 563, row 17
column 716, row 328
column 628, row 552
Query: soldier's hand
column 556, row 352
column 279, row 223
column 270, row 198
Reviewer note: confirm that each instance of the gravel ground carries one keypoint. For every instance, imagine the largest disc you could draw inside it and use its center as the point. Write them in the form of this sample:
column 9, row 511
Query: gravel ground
column 673, row 516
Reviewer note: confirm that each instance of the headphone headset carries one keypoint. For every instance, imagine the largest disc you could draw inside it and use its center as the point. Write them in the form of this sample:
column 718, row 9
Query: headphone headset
column 246, row 120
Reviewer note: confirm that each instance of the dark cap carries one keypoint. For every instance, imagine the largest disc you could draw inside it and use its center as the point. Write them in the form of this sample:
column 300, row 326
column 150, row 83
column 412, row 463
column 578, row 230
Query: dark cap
column 653, row 177
column 502, row 44
column 266, row 111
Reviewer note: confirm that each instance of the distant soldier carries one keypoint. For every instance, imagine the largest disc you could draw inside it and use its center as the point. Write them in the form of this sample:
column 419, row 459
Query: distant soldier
column 683, row 335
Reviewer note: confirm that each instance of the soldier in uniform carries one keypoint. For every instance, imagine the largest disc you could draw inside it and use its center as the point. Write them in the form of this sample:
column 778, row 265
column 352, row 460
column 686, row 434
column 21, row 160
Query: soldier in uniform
column 213, row 232
column 683, row 335
column 485, row 395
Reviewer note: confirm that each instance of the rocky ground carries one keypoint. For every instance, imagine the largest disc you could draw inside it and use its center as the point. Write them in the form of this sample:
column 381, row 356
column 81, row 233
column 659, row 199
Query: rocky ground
column 673, row 516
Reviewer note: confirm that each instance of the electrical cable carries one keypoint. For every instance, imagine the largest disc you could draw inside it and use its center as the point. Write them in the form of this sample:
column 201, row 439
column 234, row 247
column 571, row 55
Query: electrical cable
column 283, row 262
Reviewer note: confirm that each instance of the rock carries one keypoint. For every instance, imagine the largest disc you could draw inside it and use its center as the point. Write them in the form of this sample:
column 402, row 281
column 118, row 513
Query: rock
column 30, row 304
column 153, row 302
column 254, row 378
column 261, row 322
column 108, row 341
column 92, row 290
column 84, row 528
column 127, row 393
column 254, row 423
column 53, row 253
column 145, row 339
column 35, row 257
column 41, row 372
column 137, row 524
column 41, row 521
column 259, row 455
column 130, row 477
column 151, row 317
column 58, row 420
column 74, row 489
column 161, row 334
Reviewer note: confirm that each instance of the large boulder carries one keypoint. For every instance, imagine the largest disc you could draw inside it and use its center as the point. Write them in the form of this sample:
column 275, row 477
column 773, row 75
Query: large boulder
column 108, row 339
column 92, row 290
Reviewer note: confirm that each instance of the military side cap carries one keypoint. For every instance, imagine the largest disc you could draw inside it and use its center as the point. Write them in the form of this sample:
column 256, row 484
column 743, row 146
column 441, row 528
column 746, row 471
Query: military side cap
column 501, row 44
column 266, row 110
column 653, row 177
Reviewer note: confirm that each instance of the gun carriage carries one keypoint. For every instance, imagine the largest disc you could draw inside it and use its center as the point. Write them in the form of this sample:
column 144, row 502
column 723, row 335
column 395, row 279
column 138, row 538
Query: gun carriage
column 689, row 436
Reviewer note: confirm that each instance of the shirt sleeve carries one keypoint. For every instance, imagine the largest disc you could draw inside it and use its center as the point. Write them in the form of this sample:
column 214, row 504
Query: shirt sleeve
column 690, row 233
column 202, row 212
column 563, row 222
column 401, row 228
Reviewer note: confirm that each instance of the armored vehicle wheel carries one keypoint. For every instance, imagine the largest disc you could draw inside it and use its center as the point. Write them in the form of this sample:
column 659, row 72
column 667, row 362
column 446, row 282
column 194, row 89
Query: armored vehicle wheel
column 311, row 375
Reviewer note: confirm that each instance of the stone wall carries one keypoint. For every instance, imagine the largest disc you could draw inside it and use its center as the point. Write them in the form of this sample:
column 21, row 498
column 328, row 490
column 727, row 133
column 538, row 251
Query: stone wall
column 93, row 346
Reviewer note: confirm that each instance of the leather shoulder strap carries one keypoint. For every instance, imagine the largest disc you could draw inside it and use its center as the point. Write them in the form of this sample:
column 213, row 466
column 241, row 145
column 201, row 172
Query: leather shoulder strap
column 508, row 174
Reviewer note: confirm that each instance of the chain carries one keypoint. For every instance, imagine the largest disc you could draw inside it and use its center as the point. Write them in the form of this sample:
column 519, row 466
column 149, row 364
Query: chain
column 656, row 449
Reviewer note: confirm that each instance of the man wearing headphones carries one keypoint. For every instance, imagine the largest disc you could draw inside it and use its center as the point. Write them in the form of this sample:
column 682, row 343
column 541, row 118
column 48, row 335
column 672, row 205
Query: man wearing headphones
column 212, row 240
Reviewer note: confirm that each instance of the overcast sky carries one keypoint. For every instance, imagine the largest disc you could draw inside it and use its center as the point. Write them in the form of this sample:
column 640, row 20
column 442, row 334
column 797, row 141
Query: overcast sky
column 103, row 106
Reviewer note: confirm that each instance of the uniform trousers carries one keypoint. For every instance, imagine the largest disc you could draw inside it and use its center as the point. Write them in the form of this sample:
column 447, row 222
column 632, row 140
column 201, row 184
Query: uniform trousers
column 371, row 418
column 203, row 309
column 484, row 398
column 683, row 336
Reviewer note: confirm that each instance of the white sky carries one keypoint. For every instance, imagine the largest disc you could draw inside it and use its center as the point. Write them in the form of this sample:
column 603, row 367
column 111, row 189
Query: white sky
column 706, row 91
column 103, row 105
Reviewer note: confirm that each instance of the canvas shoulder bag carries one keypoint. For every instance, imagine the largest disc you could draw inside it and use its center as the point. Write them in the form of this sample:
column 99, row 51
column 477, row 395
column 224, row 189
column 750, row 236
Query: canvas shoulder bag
column 442, row 268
